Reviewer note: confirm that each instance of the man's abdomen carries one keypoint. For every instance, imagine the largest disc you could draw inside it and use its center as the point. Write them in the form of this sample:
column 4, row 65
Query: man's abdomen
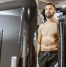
column 49, row 43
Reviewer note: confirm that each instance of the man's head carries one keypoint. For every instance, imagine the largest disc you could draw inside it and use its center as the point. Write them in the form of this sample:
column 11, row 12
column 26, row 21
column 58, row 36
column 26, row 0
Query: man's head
column 50, row 10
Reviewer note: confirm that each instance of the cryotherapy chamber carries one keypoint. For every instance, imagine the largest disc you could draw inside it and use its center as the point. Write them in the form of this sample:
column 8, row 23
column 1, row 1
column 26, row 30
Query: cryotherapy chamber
column 61, row 29
column 10, row 35
column 12, row 17
column 61, row 44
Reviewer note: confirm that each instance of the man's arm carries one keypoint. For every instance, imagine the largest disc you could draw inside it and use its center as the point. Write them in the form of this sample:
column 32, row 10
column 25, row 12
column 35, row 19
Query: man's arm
column 38, row 41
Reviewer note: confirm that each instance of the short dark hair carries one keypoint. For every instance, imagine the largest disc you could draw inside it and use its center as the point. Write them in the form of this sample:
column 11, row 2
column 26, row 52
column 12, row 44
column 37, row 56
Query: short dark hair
column 51, row 4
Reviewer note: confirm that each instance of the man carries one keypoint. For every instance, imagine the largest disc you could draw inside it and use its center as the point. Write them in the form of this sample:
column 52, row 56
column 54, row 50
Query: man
column 47, row 42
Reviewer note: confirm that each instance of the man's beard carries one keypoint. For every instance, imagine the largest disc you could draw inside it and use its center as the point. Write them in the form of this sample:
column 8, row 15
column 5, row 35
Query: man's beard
column 49, row 16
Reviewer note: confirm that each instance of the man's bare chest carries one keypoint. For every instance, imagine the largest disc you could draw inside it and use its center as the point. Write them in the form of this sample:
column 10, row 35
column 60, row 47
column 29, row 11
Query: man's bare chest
column 49, row 29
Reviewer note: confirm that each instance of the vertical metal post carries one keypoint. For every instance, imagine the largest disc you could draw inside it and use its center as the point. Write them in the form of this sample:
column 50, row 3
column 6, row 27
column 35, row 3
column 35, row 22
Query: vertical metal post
column 1, row 38
column 21, row 26
column 20, row 31
column 61, row 41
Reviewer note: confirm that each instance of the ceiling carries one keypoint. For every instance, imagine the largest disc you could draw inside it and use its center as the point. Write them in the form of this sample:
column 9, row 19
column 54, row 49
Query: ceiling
column 14, row 12
column 57, row 3
column 1, row 1
column 53, row 1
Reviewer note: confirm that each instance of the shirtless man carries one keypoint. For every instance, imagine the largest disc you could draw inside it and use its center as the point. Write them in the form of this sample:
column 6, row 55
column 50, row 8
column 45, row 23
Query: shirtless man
column 47, row 42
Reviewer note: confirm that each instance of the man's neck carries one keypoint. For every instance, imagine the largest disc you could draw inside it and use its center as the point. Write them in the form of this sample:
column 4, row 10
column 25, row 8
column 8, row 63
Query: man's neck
column 51, row 20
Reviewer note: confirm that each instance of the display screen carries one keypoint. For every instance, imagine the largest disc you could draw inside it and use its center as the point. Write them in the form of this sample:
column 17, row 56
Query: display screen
column 58, row 15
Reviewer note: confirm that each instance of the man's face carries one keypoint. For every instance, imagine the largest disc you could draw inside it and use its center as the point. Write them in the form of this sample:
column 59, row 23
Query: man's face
column 49, row 11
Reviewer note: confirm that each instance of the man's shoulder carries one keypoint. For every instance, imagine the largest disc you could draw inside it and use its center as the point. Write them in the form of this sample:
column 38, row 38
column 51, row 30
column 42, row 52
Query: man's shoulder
column 41, row 25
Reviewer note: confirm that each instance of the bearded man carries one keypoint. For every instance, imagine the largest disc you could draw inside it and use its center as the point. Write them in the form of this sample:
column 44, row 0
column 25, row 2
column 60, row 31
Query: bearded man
column 47, row 42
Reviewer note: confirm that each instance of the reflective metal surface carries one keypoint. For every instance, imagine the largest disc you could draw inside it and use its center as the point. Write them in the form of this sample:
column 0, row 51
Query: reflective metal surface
column 10, row 24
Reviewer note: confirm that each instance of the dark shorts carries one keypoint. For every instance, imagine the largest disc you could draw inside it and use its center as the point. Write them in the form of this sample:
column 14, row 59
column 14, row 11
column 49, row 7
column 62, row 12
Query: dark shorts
column 48, row 58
